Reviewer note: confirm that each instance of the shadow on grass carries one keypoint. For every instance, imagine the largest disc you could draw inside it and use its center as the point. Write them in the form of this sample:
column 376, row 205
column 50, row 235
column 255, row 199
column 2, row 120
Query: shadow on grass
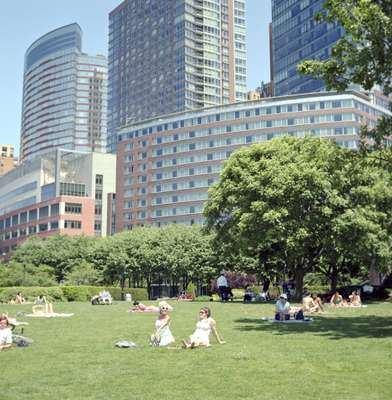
column 370, row 326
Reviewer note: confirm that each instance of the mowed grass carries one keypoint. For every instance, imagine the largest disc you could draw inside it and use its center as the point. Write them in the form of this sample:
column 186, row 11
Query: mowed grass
column 344, row 354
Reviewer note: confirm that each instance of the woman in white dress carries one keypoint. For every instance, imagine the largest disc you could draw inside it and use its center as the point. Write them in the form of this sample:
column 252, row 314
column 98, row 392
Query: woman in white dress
column 162, row 326
column 201, row 336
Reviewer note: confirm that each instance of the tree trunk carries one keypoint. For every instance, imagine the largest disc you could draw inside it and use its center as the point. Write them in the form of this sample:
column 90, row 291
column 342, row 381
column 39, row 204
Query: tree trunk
column 299, row 282
column 333, row 277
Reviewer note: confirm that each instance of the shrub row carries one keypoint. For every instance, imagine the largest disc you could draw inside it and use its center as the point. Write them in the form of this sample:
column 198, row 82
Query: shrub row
column 68, row 293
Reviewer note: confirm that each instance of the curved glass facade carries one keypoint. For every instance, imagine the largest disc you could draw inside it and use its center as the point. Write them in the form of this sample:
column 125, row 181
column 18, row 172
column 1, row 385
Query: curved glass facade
column 64, row 95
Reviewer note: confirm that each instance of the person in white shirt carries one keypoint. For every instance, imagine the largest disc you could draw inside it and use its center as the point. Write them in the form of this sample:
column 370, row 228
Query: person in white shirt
column 222, row 286
column 282, row 308
column 5, row 332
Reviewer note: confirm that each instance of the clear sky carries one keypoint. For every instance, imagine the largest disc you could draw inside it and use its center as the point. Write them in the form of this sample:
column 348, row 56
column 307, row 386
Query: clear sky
column 24, row 21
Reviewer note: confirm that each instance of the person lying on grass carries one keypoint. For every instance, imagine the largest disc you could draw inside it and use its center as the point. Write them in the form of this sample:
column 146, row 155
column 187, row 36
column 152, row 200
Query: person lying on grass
column 5, row 332
column 140, row 307
column 201, row 336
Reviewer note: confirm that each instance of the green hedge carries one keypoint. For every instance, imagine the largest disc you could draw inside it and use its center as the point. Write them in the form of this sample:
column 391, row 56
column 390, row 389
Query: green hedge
column 52, row 293
column 69, row 293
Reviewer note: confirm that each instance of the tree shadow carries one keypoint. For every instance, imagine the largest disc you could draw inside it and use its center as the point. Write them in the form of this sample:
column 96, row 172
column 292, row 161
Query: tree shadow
column 335, row 327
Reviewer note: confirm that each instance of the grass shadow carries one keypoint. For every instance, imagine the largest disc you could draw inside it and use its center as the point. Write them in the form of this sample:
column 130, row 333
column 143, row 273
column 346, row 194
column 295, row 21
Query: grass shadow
column 336, row 327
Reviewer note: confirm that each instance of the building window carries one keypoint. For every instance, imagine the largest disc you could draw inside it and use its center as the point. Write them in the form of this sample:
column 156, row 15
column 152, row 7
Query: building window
column 98, row 195
column 54, row 210
column 97, row 226
column 72, row 189
column 15, row 220
column 32, row 215
column 98, row 210
column 54, row 225
column 32, row 229
column 43, row 227
column 73, row 208
column 43, row 212
column 99, row 179
column 68, row 224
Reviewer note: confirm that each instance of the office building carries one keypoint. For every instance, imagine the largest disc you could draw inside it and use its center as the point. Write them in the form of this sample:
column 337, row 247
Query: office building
column 169, row 56
column 165, row 165
column 62, row 191
column 7, row 159
column 64, row 95
column 296, row 37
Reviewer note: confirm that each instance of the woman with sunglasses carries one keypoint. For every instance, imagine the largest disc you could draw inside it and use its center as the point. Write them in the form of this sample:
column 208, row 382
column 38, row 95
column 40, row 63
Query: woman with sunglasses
column 163, row 333
column 201, row 336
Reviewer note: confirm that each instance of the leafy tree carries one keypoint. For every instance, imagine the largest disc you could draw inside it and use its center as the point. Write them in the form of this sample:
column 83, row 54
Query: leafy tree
column 60, row 252
column 363, row 57
column 283, row 201
column 24, row 274
column 83, row 274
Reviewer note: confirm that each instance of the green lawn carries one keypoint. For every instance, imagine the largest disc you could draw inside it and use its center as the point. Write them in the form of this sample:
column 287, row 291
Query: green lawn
column 344, row 354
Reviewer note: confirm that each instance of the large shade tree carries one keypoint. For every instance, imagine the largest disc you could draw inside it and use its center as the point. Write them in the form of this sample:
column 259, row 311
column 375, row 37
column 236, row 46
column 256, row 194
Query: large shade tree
column 285, row 201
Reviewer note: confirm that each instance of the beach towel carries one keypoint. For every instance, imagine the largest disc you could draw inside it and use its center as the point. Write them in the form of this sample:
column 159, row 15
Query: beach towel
column 49, row 315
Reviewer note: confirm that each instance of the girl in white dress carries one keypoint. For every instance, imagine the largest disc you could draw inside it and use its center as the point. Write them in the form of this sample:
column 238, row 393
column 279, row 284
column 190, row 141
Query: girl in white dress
column 201, row 336
column 162, row 325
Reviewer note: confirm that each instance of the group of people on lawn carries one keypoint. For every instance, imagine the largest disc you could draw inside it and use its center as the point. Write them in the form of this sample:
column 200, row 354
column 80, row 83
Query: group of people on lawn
column 312, row 304
column 205, row 324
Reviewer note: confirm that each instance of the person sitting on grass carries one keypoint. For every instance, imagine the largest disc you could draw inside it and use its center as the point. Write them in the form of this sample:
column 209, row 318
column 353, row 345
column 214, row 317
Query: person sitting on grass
column 163, row 334
column 248, row 295
column 336, row 300
column 5, row 332
column 19, row 299
column 318, row 304
column 307, row 303
column 105, row 297
column 312, row 303
column 201, row 336
column 42, row 306
column 355, row 299
column 282, row 308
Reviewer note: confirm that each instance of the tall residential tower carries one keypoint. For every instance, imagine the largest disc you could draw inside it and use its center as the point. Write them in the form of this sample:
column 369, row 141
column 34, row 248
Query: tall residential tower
column 64, row 95
column 168, row 56
column 296, row 37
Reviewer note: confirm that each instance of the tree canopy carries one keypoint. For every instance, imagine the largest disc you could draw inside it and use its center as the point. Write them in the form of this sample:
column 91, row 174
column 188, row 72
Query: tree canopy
column 295, row 202
column 363, row 57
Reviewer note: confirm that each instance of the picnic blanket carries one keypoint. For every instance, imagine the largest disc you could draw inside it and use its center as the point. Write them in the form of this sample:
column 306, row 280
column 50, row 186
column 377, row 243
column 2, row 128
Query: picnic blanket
column 290, row 321
column 49, row 315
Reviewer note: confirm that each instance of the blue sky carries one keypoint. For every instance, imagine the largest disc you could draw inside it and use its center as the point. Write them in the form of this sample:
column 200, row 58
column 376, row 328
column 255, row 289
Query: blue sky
column 24, row 21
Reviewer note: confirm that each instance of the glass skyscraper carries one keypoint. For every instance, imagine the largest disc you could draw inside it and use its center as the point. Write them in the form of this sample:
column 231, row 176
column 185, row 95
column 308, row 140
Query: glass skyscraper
column 296, row 37
column 64, row 95
column 167, row 56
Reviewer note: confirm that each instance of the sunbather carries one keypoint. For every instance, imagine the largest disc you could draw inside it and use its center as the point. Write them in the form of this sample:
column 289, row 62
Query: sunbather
column 282, row 308
column 162, row 333
column 355, row 299
column 336, row 300
column 42, row 306
column 5, row 332
column 201, row 336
